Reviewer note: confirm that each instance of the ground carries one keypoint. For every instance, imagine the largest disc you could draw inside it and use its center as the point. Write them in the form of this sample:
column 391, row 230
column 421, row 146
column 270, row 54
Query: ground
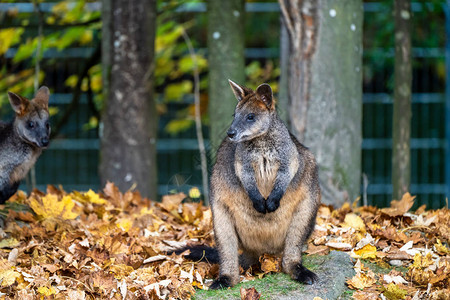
column 113, row 245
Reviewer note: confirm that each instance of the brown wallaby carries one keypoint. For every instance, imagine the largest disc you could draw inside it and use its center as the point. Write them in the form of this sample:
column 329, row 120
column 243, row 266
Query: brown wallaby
column 264, row 192
column 22, row 140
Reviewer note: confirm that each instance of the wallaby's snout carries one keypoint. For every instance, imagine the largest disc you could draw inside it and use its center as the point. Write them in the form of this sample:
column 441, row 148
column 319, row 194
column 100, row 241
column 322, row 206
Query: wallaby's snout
column 231, row 133
column 44, row 142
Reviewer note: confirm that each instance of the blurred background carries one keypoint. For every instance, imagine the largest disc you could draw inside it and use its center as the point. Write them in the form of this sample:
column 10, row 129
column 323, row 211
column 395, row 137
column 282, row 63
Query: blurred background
column 65, row 38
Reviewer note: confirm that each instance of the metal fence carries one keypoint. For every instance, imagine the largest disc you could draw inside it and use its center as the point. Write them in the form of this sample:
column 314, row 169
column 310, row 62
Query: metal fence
column 73, row 159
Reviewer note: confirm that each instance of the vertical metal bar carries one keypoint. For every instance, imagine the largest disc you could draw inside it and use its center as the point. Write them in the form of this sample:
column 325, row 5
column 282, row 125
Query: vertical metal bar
column 447, row 98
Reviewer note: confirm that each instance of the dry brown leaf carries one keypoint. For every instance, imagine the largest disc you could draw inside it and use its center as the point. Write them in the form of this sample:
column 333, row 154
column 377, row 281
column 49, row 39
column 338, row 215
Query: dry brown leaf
column 270, row 263
column 399, row 207
column 249, row 294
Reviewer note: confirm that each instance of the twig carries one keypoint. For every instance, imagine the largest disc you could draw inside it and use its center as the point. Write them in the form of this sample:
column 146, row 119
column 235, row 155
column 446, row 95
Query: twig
column 198, row 120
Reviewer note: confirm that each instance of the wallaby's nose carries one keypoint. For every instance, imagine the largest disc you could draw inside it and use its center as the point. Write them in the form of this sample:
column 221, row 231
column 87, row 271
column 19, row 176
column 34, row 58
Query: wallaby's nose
column 44, row 142
column 231, row 133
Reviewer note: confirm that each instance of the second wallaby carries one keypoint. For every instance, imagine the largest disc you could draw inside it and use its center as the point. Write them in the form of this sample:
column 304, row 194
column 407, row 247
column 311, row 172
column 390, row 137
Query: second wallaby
column 22, row 140
column 264, row 192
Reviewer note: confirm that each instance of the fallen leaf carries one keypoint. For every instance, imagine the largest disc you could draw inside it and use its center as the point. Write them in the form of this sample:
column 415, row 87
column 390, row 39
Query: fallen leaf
column 49, row 206
column 393, row 292
column 368, row 251
column 399, row 207
column 270, row 263
column 354, row 221
column 249, row 294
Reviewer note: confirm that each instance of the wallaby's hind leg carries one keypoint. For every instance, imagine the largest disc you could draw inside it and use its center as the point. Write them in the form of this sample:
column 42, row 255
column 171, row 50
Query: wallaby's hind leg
column 247, row 259
column 300, row 229
column 8, row 191
column 227, row 244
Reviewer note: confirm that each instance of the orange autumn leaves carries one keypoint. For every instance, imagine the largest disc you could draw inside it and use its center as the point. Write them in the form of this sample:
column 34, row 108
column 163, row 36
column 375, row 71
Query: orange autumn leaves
column 89, row 245
column 390, row 237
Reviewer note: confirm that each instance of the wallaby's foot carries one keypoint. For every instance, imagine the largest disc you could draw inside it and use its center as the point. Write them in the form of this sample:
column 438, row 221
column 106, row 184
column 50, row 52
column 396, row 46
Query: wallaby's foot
column 303, row 275
column 222, row 282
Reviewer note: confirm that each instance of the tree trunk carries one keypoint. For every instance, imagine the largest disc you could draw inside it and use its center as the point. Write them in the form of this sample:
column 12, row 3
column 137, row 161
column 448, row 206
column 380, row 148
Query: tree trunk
column 226, row 61
column 401, row 129
column 325, row 89
column 129, row 120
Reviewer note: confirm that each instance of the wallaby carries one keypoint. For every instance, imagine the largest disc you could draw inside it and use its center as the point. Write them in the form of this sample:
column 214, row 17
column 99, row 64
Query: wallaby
column 264, row 192
column 22, row 140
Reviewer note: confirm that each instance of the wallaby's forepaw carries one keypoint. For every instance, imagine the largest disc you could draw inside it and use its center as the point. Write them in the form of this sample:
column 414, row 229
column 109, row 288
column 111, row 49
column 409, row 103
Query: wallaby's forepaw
column 272, row 204
column 304, row 275
column 222, row 282
column 259, row 206
column 273, row 201
column 258, row 201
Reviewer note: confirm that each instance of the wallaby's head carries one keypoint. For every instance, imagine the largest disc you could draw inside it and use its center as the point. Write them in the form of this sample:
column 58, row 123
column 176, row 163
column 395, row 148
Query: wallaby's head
column 254, row 112
column 31, row 122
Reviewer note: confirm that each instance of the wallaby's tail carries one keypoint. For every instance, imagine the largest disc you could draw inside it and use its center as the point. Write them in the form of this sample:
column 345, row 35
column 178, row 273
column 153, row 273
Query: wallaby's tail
column 200, row 253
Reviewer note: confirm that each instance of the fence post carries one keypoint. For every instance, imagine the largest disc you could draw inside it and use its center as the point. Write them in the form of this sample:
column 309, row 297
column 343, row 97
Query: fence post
column 447, row 98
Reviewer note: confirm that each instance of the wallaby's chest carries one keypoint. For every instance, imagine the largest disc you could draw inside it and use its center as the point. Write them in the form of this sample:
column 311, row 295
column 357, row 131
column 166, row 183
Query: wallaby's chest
column 264, row 162
column 16, row 160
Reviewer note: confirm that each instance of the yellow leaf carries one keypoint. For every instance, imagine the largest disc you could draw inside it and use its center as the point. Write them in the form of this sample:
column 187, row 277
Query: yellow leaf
column 49, row 206
column 9, row 37
column 421, row 261
column 393, row 292
column 194, row 192
column 368, row 251
column 361, row 281
column 93, row 197
column 8, row 277
column 86, row 37
column 356, row 222
column 124, row 224
column 9, row 243
column 45, row 291
column 440, row 248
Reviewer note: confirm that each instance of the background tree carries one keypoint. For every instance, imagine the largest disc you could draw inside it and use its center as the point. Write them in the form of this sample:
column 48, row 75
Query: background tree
column 226, row 61
column 401, row 129
column 128, row 137
column 325, row 89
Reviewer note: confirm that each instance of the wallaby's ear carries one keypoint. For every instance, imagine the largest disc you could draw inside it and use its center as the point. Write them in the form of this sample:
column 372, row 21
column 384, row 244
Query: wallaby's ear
column 42, row 97
column 18, row 103
column 239, row 91
column 264, row 91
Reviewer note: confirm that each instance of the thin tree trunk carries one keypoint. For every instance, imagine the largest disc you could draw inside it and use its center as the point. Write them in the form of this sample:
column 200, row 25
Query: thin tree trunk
column 325, row 89
column 129, row 120
column 226, row 61
column 401, row 129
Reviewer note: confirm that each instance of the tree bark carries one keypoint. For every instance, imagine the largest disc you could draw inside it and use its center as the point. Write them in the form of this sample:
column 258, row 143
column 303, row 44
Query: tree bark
column 401, row 129
column 129, row 119
column 226, row 61
column 325, row 89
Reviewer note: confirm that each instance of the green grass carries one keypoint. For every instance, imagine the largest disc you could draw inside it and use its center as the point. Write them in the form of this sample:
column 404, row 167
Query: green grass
column 269, row 287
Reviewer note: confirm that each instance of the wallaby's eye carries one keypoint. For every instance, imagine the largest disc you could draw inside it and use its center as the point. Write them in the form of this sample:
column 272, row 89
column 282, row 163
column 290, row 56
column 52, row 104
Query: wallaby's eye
column 47, row 125
column 250, row 117
column 30, row 124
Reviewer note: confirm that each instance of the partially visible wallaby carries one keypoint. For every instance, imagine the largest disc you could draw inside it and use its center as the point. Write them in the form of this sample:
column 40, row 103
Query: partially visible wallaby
column 22, row 140
column 264, row 192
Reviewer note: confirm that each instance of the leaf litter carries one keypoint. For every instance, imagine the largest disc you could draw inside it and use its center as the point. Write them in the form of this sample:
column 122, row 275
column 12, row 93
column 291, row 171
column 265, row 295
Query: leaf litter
column 114, row 245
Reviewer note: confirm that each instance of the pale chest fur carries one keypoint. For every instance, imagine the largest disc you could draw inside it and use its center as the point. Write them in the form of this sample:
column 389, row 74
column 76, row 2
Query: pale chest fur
column 265, row 167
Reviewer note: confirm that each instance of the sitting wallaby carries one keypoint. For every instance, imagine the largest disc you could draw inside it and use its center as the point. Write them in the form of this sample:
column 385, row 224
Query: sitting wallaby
column 264, row 192
column 22, row 140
